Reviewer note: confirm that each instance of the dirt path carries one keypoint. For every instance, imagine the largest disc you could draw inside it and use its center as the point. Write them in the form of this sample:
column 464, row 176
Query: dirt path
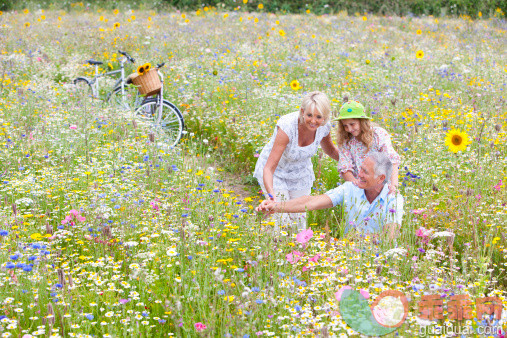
column 232, row 181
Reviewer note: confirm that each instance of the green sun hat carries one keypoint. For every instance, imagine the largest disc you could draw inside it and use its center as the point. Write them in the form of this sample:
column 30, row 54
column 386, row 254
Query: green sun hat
column 352, row 110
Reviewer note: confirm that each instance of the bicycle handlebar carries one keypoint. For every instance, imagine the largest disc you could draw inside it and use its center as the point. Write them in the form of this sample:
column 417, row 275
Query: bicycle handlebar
column 130, row 58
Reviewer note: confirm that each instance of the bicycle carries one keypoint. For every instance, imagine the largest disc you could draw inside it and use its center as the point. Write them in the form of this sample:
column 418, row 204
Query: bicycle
column 160, row 115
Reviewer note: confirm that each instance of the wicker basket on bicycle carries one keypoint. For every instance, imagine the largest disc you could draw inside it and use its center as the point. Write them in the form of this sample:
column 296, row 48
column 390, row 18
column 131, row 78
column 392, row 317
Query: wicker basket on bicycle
column 148, row 84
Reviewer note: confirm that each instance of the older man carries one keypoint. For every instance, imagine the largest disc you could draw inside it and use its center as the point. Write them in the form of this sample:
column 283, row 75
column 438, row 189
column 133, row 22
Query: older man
column 368, row 206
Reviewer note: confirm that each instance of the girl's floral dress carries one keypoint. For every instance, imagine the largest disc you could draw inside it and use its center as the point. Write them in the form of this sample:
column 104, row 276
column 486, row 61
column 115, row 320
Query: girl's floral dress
column 353, row 153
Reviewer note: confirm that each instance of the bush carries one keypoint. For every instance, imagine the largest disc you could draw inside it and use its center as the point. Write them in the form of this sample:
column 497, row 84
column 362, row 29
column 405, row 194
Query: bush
column 472, row 8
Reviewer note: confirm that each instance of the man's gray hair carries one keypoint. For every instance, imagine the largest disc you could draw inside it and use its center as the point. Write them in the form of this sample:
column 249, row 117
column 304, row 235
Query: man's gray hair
column 383, row 165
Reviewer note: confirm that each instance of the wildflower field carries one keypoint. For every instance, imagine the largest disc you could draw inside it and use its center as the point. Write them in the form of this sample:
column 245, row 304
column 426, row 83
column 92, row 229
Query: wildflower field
column 106, row 231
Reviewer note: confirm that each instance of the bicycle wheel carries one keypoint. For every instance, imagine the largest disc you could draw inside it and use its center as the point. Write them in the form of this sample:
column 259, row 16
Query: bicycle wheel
column 168, row 126
column 82, row 86
column 131, row 98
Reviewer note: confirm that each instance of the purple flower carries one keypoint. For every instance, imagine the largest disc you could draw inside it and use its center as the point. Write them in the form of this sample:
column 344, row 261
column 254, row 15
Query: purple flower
column 421, row 250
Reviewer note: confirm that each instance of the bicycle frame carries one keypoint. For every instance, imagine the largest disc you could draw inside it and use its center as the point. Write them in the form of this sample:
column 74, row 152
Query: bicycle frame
column 94, row 83
column 160, row 96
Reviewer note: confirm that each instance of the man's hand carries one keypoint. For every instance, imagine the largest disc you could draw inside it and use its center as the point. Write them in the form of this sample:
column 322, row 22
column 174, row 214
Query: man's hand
column 393, row 189
column 267, row 207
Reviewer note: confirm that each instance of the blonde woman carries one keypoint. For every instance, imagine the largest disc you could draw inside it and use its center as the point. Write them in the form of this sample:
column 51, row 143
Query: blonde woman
column 284, row 168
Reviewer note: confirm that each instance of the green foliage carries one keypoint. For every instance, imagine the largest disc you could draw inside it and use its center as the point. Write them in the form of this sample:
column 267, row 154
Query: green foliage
column 472, row 8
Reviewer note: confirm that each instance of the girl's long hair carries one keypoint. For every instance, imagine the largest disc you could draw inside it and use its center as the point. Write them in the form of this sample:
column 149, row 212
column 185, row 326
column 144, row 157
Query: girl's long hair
column 366, row 136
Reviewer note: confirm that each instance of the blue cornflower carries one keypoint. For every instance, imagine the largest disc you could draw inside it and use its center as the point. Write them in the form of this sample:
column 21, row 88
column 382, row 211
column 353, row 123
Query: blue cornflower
column 89, row 316
column 221, row 292
column 256, row 289
column 259, row 301
column 4, row 232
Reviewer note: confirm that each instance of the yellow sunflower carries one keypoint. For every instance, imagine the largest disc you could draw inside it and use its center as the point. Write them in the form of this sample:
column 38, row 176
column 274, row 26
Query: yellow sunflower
column 281, row 32
column 457, row 140
column 419, row 54
column 295, row 85
column 419, row 32
column 141, row 70
column 116, row 25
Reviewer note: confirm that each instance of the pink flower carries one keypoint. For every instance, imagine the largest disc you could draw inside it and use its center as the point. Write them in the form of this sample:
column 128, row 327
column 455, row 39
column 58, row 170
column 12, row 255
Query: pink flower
column 314, row 258
column 73, row 126
column 200, row 326
column 364, row 293
column 338, row 294
column 417, row 211
column 498, row 186
column 294, row 257
column 422, row 232
column 256, row 155
column 305, row 268
column 304, row 236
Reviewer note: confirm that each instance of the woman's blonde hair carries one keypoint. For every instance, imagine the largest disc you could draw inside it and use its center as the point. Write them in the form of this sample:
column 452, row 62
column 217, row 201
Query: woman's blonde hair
column 316, row 100
column 366, row 136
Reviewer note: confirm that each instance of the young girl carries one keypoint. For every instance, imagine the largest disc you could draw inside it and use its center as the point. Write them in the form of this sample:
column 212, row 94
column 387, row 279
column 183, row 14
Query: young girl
column 284, row 168
column 357, row 137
